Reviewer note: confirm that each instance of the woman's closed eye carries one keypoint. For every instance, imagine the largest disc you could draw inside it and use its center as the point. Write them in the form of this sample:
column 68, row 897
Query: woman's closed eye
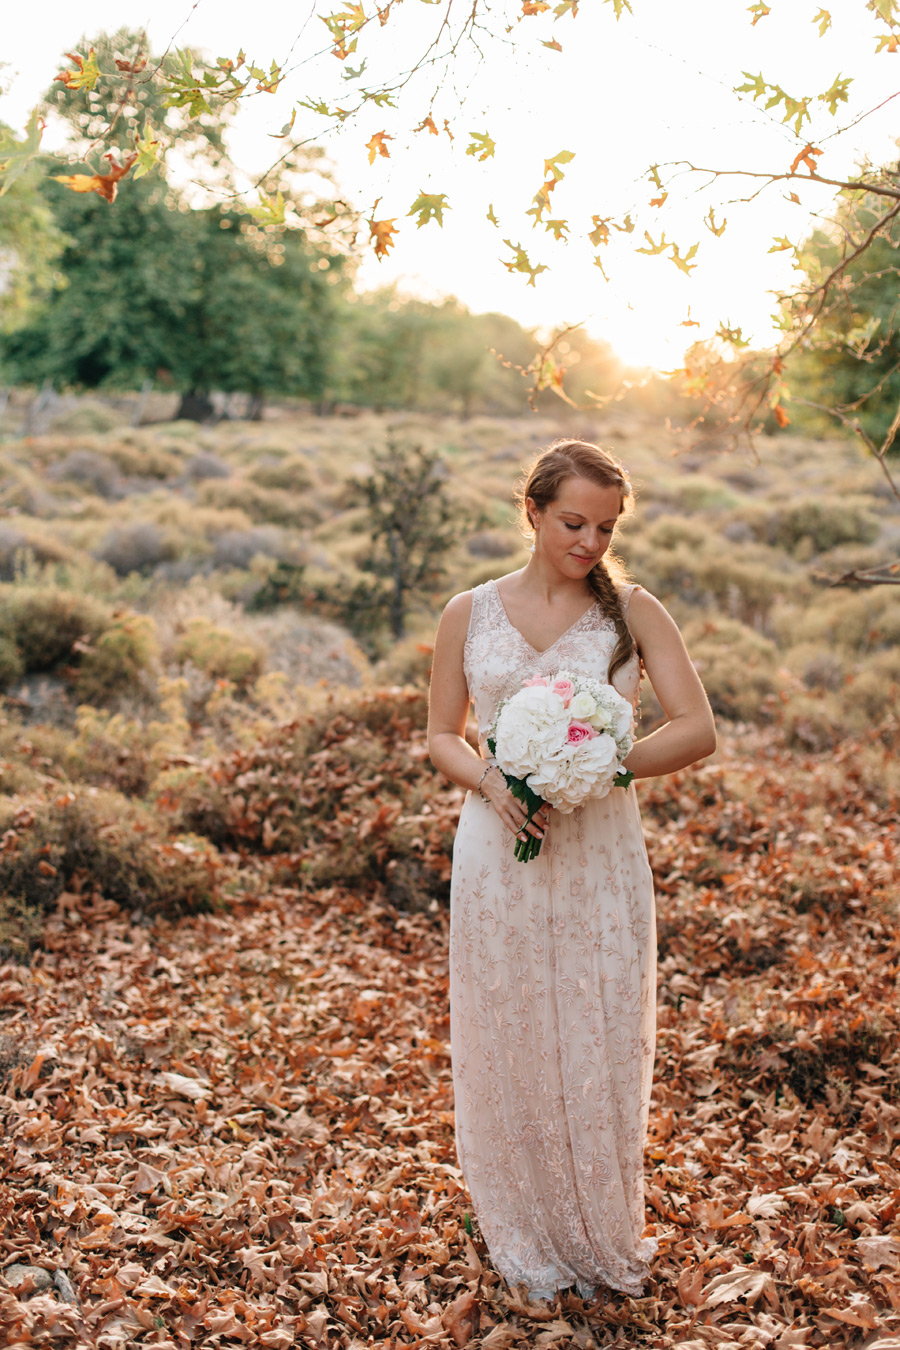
column 603, row 528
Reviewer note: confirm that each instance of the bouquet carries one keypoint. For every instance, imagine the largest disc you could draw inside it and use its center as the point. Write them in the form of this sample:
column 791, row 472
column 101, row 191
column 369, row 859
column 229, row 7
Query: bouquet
column 561, row 739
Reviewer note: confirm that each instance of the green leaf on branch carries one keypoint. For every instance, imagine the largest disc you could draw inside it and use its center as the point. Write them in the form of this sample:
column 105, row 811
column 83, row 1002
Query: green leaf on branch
column 836, row 94
column 781, row 244
column 270, row 210
column 317, row 106
column 382, row 98
column 823, row 19
column 148, row 152
column 522, row 263
column 16, row 156
column 653, row 175
column 429, row 206
column 565, row 7
column 796, row 110
column 85, row 74
column 755, row 85
column 480, row 145
column 733, row 336
column 559, row 228
column 490, row 214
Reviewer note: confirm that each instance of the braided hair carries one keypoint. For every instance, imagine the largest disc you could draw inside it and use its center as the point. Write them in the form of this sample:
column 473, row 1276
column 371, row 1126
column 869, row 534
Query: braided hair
column 581, row 459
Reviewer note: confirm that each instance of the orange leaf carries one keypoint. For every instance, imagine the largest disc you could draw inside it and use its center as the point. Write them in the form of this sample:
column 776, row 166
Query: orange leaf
column 427, row 124
column 659, row 201
column 376, row 146
column 806, row 156
column 104, row 184
column 781, row 416
column 381, row 233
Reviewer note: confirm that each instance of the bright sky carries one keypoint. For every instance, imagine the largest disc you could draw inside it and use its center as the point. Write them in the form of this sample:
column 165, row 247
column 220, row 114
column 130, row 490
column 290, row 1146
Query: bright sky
column 652, row 88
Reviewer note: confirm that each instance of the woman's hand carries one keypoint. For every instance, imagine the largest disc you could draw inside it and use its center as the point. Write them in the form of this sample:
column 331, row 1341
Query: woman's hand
column 510, row 810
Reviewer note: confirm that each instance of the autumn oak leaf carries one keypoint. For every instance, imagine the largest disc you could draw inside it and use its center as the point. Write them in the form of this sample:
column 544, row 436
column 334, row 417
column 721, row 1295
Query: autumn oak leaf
column 429, row 206
column 807, row 156
column 481, row 145
column 106, row 185
column 377, row 146
column 84, row 75
column 381, row 235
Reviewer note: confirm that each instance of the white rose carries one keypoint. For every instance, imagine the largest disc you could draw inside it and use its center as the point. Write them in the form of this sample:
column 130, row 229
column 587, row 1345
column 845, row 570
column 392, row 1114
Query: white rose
column 582, row 707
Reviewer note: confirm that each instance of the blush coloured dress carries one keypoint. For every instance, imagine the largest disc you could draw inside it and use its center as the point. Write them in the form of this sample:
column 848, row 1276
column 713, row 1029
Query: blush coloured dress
column 552, row 998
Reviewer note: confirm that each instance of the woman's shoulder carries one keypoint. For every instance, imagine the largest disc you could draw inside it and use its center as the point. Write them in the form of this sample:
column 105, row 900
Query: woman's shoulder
column 644, row 613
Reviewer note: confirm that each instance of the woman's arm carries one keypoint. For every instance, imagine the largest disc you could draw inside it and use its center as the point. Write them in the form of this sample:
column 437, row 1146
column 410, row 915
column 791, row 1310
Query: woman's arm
column 689, row 733
column 448, row 707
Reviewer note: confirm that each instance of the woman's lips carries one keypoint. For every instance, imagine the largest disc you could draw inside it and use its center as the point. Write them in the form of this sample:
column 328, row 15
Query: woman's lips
column 578, row 558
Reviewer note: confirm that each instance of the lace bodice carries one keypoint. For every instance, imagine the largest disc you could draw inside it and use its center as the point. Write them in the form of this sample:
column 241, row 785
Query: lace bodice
column 497, row 658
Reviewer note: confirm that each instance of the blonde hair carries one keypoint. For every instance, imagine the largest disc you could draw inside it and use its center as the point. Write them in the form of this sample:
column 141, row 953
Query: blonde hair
column 581, row 459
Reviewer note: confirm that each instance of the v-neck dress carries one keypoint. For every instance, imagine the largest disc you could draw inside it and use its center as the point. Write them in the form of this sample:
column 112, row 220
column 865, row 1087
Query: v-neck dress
column 552, row 994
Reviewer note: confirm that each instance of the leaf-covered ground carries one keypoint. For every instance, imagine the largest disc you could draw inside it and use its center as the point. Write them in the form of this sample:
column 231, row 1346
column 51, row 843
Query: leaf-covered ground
column 238, row 1128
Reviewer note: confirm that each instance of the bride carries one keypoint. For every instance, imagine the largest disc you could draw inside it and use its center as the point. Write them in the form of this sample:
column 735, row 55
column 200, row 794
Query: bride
column 552, row 963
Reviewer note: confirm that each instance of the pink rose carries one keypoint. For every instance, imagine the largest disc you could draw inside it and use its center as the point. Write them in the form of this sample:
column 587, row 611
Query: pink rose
column 565, row 689
column 542, row 681
column 580, row 731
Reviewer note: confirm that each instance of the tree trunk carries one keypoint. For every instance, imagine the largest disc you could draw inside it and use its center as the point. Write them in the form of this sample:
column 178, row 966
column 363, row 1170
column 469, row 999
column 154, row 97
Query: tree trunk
column 195, row 406
column 255, row 404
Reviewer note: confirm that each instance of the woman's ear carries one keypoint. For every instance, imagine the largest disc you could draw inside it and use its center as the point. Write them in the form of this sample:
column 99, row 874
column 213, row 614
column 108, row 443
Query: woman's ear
column 531, row 510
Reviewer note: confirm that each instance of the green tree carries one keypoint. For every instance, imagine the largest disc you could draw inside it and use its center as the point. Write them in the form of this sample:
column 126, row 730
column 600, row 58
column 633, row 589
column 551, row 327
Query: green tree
column 30, row 245
column 853, row 369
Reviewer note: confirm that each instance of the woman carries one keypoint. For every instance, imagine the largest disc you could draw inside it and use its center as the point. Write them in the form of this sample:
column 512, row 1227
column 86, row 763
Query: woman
column 552, row 963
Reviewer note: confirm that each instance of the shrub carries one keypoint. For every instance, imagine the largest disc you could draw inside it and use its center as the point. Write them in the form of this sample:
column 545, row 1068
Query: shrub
column 45, row 623
column 139, row 457
column 88, row 419
column 218, row 652
column 20, row 928
column 12, row 541
column 110, row 750
column 738, row 667
column 12, row 667
column 860, row 622
column 207, row 465
column 266, row 505
column 238, row 548
column 286, row 475
column 824, row 522
column 119, row 660
column 489, row 544
column 407, row 663
column 115, row 842
column 138, row 546
column 359, row 759
column 97, row 472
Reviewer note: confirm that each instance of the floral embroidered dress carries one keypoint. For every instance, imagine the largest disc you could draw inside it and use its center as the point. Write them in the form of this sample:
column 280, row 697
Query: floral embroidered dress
column 552, row 992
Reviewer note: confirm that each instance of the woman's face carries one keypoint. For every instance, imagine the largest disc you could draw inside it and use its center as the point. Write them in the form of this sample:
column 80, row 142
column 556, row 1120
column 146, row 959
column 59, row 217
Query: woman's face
column 574, row 531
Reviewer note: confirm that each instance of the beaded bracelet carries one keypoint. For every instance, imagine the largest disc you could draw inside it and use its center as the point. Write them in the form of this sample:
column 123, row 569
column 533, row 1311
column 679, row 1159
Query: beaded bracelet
column 481, row 780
